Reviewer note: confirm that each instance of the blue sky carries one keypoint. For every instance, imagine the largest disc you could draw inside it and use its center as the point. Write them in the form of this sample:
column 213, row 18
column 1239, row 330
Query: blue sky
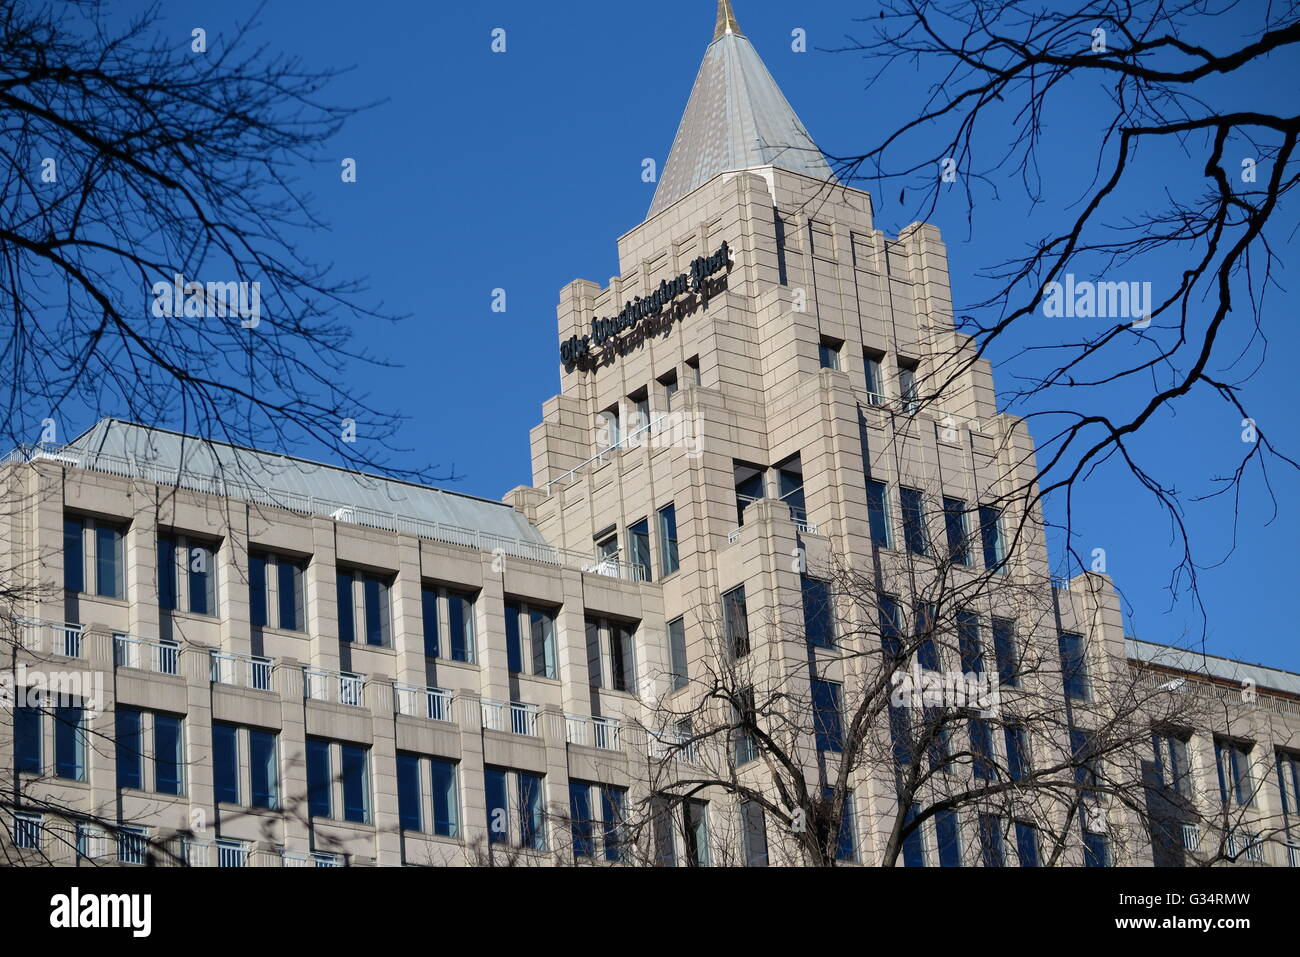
column 519, row 171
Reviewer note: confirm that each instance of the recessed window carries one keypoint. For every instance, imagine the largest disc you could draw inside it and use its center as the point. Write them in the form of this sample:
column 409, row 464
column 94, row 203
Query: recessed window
column 907, row 391
column 693, row 371
column 530, row 639
column 1074, row 666
column 927, row 649
column 677, row 653
column 954, row 523
column 1096, row 849
column 1027, row 844
column 99, row 545
column 915, row 536
column 427, row 795
column 596, row 820
column 1004, row 647
column 235, row 748
column 350, row 793
column 364, row 603
column 668, row 389
column 874, row 381
column 992, row 848
column 948, row 830
column 828, row 721
column 286, row 575
column 668, row 558
column 991, row 537
column 1233, row 760
column 187, row 574
column 753, row 830
column 878, row 512
column 1172, row 764
column 521, row 822
column 611, row 654
column 735, row 622
column 818, row 612
column 743, row 719
column 828, row 353
column 968, row 642
column 638, row 539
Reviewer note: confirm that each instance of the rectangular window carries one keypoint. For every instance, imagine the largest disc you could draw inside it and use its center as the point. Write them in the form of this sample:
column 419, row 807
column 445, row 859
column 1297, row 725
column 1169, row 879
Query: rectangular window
column 429, row 617
column 409, row 794
column 1096, row 850
column 110, row 560
column 753, row 831
column 907, row 392
column 1074, row 666
column 991, row 537
column 129, row 757
column 927, row 649
column 891, row 627
column 257, row 562
column 70, row 743
column 460, row 613
column 828, row 353
column 668, row 560
column 914, row 533
column 446, row 799
column 735, row 619
column 1004, row 648
column 638, row 535
column 878, row 512
column 874, row 381
column 846, row 838
column 290, row 581
column 622, row 657
column 1017, row 751
column 74, row 554
column 167, row 572
column 264, row 762
column 968, row 643
column 1233, row 760
column 1084, row 760
column 1027, row 844
column 594, row 669
column 992, row 851
column 669, row 383
column 378, row 611
column 948, row 830
column 532, row 827
column 356, row 784
column 981, row 746
column 954, row 522
column 346, row 610
column 292, row 593
column 580, row 820
column 818, row 618
column 914, row 841
column 1172, row 764
column 677, row 653
column 612, row 802
column 28, row 751
column 319, row 778
column 662, row 832
column 541, row 624
column 168, row 754
column 202, row 580
column 696, row 832
column 743, row 716
column 225, row 763
column 827, row 719
column 514, row 645
column 498, row 805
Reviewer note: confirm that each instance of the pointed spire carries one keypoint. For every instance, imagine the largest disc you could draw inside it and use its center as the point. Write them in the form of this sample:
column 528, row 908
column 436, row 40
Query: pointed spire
column 736, row 118
column 726, row 21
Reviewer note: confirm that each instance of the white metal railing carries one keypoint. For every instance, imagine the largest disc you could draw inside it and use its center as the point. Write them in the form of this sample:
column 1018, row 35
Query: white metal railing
column 1244, row 844
column 52, row 637
column 875, row 398
column 631, row 440
column 232, row 854
column 144, row 654
column 196, row 853
column 1293, row 855
column 1191, row 837
column 513, row 718
column 245, row 671
column 232, row 488
column 603, row 733
column 676, row 744
column 339, row 687
column 432, row 703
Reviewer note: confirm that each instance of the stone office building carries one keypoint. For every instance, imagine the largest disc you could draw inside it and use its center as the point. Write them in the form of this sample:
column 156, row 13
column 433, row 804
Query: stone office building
column 284, row 663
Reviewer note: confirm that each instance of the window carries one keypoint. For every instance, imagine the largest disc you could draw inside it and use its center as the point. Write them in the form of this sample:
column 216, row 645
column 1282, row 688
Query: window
column 677, row 653
column 968, row 643
column 28, row 750
column 913, row 841
column 1017, row 751
column 264, row 768
column 638, row 535
column 954, row 522
column 668, row 382
column 523, row 823
column 107, row 543
column 828, row 353
column 753, row 834
column 1288, row 779
column 818, row 621
column 1096, row 850
column 1004, row 649
column 110, row 560
column 878, row 512
column 1074, row 666
column 1027, row 844
column 743, row 717
column 874, row 381
column 992, row 852
column 846, row 836
column 130, row 759
column 356, row 785
column 353, row 784
column 608, row 432
column 442, row 807
column 981, row 746
column 927, row 649
column 891, row 627
column 914, row 535
column 460, row 618
column 695, row 817
column 622, row 657
column 376, row 609
column 668, row 560
column 735, row 621
column 168, row 757
column 1233, row 760
column 290, row 586
column 225, row 763
column 749, row 483
column 693, row 371
column 948, row 830
column 26, row 831
column 74, row 557
column 429, row 619
column 907, row 393
column 1171, row 762
column 70, row 743
column 585, row 800
column 199, row 583
column 607, row 547
column 640, row 418
column 537, row 655
column 1082, row 747
column 991, row 537
column 789, row 477
column 827, row 720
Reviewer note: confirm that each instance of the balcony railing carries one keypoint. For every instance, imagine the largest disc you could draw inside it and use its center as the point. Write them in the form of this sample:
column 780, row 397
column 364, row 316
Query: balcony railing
column 336, row 687
column 1293, row 855
column 603, row 733
column 244, row 671
column 676, row 744
column 1191, row 837
column 52, row 637
column 144, row 654
column 1245, row 845
column 431, row 703
column 232, row 854
column 513, row 718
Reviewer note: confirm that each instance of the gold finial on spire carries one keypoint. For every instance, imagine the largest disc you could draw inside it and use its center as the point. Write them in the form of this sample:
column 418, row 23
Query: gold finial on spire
column 726, row 21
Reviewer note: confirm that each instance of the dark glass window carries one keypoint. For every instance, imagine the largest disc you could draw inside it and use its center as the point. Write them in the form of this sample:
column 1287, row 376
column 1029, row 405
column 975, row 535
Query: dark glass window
column 954, row 522
column 593, row 653
column 991, row 536
column 377, row 612
column 168, row 758
column 914, row 533
column 639, row 539
column 498, row 806
column 677, row 650
column 202, row 581
column 981, row 745
column 109, row 561
column 948, row 831
column 1096, row 850
column 409, row 798
column 990, row 834
column 356, row 786
column 257, row 588
column 460, row 610
column 265, row 769
column 1017, row 751
column 429, row 612
column 225, row 763
column 828, row 353
column 736, row 622
column 878, row 512
column 622, row 657
column 1004, row 647
column 612, row 802
column 74, row 556
column 69, row 743
column 891, row 627
column 129, row 757
column 1074, row 666
column 845, row 845
column 927, row 650
column 580, row 822
column 695, row 816
column 514, row 651
column 818, row 619
column 754, row 833
column 913, row 843
column 167, row 572
column 446, row 803
column 1027, row 844
column 319, row 781
column 828, row 723
column 968, row 643
column 28, row 750
column 541, row 625
column 347, row 612
column 532, row 828
column 291, row 594
column 668, row 560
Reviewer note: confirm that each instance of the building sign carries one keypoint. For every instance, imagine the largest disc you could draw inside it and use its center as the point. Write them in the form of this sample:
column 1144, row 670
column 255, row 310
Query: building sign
column 672, row 300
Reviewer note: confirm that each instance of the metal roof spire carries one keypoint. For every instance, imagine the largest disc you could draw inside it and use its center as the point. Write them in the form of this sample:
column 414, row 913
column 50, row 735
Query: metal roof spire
column 726, row 21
